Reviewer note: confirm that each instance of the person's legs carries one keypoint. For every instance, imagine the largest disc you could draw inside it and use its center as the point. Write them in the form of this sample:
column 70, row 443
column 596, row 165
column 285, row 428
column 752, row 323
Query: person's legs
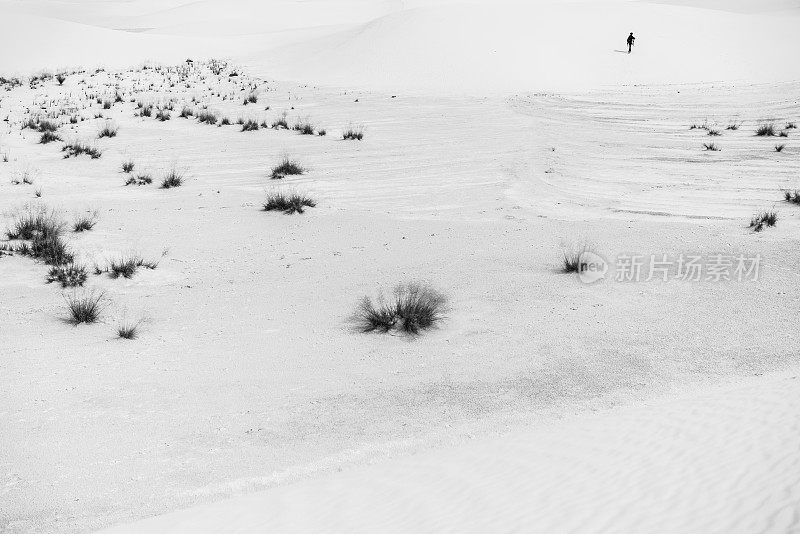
column 630, row 45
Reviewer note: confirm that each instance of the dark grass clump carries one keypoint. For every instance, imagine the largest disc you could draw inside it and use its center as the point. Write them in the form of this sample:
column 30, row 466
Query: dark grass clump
column 129, row 331
column 52, row 250
column 76, row 148
column 733, row 126
column 207, row 117
column 139, row 179
column 280, row 123
column 225, row 122
column 249, row 125
column 47, row 126
column 84, row 308
column 126, row 267
column 791, row 125
column 288, row 203
column 353, row 134
column 766, row 130
column 186, row 112
column 163, row 115
column 173, row 179
column 84, row 222
column 61, row 78
column 109, row 130
column 766, row 218
column 128, row 166
column 34, row 222
column 49, row 137
column 792, row 196
column 711, row 147
column 572, row 261
column 286, row 168
column 305, row 128
column 413, row 309
column 252, row 98
column 146, row 111
column 779, row 148
column 714, row 133
column 69, row 275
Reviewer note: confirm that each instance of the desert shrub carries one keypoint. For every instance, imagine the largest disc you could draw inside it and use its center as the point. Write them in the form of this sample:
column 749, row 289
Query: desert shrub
column 108, row 130
column 84, row 308
column 571, row 262
column 127, row 166
column 128, row 331
column 49, row 137
column 354, row 134
column 33, row 221
column 127, row 266
column 61, row 78
column 713, row 133
column 287, row 167
column 783, row 134
column 288, row 203
column 733, row 126
column 73, row 119
column 711, row 147
column 766, row 218
column 107, row 104
column 207, row 117
column 792, row 196
column 186, row 112
column 47, row 126
column 76, row 148
column 139, row 179
column 174, row 178
column 779, row 148
column 225, row 122
column 766, row 130
column 305, row 128
column 50, row 249
column 163, row 115
column 322, row 132
column 146, row 111
column 252, row 98
column 791, row 125
column 69, row 275
column 413, row 308
column 280, row 123
column 84, row 222
column 249, row 126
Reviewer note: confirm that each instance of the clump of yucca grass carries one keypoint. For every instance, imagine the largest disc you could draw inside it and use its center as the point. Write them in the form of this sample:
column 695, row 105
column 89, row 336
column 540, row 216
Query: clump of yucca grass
column 76, row 148
column 792, row 196
column 714, row 133
column 354, row 134
column 32, row 221
column 207, row 117
column 107, row 104
column 225, row 122
column 146, row 111
column 50, row 249
column 779, row 148
column 766, row 130
column 49, row 137
column 61, row 78
column 108, row 130
column 413, row 308
column 280, row 123
column 128, row 166
column 69, row 275
column 733, row 126
column 765, row 218
column 129, row 331
column 126, row 267
column 186, row 112
column 696, row 126
column 573, row 260
column 249, row 125
column 252, row 98
column 711, row 147
column 174, row 178
column 139, row 179
column 84, row 307
column 47, row 126
column 287, row 167
column 305, row 128
column 288, row 203
column 783, row 134
column 163, row 115
column 84, row 222
column 791, row 125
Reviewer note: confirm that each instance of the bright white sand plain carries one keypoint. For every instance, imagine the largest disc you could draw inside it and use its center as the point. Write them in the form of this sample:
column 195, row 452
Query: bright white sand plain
column 541, row 404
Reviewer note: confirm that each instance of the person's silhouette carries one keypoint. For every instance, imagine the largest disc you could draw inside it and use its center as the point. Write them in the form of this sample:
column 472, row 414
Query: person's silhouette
column 631, row 39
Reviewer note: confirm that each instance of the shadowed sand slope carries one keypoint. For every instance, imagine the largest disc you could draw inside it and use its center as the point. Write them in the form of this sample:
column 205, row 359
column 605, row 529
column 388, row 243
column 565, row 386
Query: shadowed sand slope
column 725, row 461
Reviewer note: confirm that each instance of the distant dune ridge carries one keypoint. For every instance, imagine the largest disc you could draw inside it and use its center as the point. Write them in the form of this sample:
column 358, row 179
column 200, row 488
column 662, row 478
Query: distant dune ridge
column 443, row 46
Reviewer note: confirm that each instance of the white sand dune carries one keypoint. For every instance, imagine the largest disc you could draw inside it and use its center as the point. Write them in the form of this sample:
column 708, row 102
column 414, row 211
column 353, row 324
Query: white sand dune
column 724, row 461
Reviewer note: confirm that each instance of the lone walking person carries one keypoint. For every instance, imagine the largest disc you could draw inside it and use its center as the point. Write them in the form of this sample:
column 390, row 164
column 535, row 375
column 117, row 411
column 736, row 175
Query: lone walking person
column 631, row 39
